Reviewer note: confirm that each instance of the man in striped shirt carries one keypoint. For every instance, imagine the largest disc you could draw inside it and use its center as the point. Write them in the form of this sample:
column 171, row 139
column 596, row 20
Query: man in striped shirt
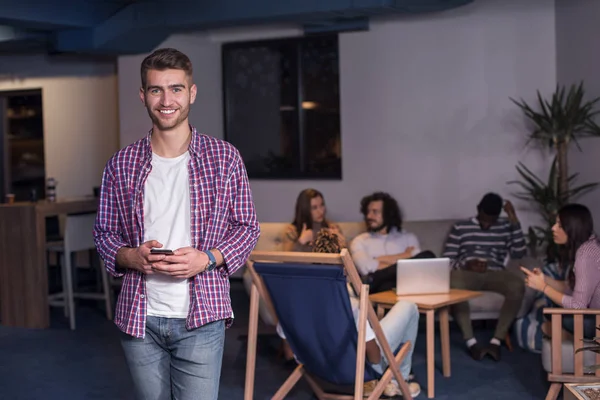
column 480, row 248
column 187, row 195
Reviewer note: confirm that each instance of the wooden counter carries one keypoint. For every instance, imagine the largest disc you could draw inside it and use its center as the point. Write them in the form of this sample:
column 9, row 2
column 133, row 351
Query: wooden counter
column 23, row 265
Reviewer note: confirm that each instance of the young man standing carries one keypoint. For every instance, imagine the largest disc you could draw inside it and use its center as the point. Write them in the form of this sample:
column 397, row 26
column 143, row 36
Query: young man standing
column 480, row 248
column 178, row 190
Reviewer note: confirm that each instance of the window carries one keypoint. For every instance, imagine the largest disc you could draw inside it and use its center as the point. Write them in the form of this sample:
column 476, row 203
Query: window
column 281, row 104
column 22, row 165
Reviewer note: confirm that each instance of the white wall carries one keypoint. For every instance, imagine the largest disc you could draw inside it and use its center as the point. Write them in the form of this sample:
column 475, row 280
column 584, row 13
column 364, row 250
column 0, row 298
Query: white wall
column 80, row 115
column 204, row 50
column 578, row 59
column 205, row 114
column 425, row 106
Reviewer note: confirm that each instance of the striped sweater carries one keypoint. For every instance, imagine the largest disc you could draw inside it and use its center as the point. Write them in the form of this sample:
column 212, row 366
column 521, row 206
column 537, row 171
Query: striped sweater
column 468, row 241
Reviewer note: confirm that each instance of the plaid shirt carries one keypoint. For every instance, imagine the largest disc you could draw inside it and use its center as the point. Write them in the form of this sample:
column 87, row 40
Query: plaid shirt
column 222, row 217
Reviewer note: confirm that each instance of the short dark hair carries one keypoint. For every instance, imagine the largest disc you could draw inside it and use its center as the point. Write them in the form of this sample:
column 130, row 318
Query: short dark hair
column 392, row 215
column 491, row 204
column 166, row 58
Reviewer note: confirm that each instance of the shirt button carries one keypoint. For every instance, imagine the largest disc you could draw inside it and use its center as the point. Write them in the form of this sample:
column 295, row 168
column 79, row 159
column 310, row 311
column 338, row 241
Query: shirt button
column 142, row 296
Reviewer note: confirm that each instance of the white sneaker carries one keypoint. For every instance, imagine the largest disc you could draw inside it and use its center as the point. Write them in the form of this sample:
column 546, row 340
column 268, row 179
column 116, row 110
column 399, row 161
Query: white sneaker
column 392, row 389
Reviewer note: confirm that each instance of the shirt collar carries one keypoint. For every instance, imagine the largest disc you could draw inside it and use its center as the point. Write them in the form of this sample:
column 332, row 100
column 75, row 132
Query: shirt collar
column 194, row 147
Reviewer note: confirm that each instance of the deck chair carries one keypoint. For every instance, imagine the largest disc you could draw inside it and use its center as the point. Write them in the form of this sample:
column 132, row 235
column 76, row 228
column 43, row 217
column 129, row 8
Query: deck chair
column 308, row 295
column 559, row 356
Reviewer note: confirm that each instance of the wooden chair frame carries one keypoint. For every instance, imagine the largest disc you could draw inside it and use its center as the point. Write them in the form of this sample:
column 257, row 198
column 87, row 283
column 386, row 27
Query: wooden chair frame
column 366, row 313
column 556, row 377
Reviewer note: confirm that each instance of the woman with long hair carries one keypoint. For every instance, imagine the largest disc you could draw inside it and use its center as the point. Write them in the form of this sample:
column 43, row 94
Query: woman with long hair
column 580, row 249
column 309, row 219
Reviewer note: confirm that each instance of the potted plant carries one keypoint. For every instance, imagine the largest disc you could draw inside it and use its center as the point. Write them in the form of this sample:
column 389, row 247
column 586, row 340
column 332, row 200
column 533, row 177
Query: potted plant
column 546, row 197
column 558, row 122
column 562, row 121
column 591, row 345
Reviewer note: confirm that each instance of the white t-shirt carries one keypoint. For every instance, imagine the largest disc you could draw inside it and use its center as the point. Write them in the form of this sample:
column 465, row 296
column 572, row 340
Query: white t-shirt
column 167, row 219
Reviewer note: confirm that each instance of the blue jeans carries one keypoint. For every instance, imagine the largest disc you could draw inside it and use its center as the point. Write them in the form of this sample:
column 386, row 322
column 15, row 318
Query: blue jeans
column 400, row 325
column 174, row 363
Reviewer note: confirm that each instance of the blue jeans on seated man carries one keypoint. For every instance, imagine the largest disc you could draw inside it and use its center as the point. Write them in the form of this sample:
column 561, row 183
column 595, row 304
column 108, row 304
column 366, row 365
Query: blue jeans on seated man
column 173, row 363
column 399, row 326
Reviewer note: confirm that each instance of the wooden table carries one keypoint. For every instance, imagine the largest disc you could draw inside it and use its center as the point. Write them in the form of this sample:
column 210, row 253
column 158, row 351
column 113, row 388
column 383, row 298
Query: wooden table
column 428, row 304
column 23, row 265
column 570, row 390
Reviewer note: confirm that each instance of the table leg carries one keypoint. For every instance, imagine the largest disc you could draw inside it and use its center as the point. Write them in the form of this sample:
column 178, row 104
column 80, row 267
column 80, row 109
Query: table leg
column 430, row 315
column 445, row 339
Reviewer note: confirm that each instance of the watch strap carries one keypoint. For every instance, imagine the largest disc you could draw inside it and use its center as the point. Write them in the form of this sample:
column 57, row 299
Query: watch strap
column 212, row 261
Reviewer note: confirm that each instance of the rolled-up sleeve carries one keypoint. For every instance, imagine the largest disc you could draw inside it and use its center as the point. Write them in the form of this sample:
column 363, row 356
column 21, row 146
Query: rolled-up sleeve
column 107, row 234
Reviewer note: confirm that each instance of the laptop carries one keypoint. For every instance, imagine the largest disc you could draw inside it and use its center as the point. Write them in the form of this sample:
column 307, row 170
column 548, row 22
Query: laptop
column 423, row 276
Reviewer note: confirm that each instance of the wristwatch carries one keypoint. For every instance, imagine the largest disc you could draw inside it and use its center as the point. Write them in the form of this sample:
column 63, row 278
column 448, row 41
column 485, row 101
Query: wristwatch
column 212, row 261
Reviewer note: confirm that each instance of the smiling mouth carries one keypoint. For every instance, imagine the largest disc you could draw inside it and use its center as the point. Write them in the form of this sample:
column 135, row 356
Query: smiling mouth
column 167, row 112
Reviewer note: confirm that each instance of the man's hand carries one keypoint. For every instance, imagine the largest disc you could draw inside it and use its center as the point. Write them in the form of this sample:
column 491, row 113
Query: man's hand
column 139, row 258
column 185, row 263
column 510, row 212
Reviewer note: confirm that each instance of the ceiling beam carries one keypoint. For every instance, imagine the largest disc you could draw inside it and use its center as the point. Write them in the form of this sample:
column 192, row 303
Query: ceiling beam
column 50, row 15
column 141, row 26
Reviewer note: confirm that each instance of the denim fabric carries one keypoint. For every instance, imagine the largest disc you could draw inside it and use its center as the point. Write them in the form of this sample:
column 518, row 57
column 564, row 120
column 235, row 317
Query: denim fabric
column 172, row 363
column 400, row 325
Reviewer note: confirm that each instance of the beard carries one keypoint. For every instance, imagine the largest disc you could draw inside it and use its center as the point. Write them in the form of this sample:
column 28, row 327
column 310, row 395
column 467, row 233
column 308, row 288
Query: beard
column 374, row 229
column 166, row 125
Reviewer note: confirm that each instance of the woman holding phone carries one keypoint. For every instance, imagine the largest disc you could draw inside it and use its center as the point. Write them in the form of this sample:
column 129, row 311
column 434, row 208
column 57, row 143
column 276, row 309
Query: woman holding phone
column 580, row 248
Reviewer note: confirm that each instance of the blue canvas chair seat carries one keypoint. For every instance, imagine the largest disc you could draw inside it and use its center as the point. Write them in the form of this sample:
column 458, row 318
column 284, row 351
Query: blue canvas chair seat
column 310, row 299
column 313, row 307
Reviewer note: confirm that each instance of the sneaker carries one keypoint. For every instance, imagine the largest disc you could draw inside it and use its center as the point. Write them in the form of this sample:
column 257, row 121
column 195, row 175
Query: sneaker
column 393, row 389
column 368, row 387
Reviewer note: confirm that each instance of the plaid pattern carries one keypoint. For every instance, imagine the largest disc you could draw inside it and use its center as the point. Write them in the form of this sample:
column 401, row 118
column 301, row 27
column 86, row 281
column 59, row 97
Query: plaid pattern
column 586, row 290
column 222, row 213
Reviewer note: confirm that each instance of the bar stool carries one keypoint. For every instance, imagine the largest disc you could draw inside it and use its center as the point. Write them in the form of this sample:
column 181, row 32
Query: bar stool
column 78, row 236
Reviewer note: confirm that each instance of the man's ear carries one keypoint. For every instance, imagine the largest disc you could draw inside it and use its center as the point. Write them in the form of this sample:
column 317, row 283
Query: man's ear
column 142, row 96
column 193, row 92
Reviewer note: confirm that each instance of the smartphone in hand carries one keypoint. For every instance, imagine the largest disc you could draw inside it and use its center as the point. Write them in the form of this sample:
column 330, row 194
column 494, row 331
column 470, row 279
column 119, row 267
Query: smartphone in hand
column 166, row 252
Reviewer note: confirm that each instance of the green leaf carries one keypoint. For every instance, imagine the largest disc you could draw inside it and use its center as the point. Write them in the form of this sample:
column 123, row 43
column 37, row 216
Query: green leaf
column 558, row 120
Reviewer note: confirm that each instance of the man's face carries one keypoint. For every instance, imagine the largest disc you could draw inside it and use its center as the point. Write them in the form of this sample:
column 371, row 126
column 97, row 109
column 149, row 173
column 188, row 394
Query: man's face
column 374, row 217
column 167, row 97
column 486, row 221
